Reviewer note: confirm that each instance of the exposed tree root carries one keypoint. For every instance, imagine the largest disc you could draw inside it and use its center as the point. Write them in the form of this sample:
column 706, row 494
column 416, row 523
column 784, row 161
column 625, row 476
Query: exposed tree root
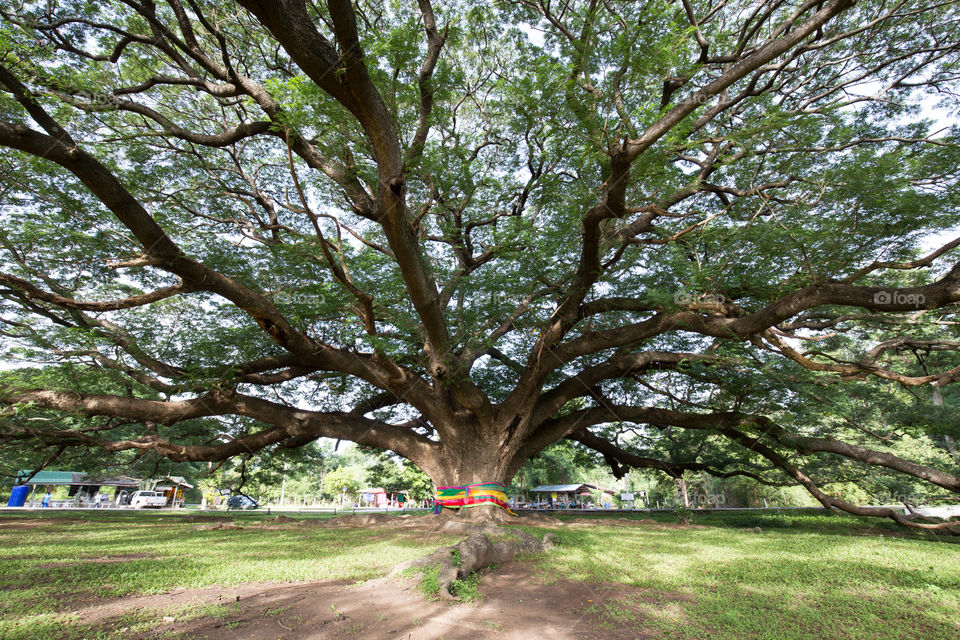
column 487, row 545
column 480, row 514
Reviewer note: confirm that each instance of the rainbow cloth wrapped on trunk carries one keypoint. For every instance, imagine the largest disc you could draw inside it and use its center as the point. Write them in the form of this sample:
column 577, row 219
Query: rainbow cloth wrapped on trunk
column 472, row 495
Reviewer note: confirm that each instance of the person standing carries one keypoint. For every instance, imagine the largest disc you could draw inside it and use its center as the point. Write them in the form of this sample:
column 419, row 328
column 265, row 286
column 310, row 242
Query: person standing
column 46, row 499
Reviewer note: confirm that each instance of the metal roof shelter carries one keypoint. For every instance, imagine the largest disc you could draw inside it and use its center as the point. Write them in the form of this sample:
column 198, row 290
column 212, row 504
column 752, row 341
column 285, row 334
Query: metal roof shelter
column 173, row 481
column 173, row 487
column 76, row 478
column 567, row 493
column 569, row 488
column 82, row 485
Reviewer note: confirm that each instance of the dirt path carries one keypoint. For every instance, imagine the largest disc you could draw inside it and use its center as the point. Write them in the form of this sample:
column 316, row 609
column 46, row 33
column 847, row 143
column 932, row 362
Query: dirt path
column 516, row 605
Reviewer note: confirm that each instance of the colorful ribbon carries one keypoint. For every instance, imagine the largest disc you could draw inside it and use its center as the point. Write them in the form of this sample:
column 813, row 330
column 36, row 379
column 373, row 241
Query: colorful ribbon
column 472, row 495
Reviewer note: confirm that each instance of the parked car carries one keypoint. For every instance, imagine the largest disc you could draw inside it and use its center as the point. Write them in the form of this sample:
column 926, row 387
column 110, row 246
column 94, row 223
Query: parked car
column 242, row 501
column 147, row 500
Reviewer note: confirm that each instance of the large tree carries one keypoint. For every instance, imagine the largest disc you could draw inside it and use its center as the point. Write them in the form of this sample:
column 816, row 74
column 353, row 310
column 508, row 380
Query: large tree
column 465, row 232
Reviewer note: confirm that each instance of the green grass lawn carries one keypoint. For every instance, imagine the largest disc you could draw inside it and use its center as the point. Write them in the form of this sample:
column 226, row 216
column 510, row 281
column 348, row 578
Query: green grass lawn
column 51, row 566
column 803, row 577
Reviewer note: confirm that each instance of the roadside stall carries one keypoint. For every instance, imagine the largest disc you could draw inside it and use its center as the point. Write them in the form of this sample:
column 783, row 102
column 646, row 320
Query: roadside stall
column 380, row 498
column 173, row 487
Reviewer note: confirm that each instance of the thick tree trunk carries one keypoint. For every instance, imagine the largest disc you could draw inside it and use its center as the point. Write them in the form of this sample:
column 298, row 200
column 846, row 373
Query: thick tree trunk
column 477, row 456
column 683, row 492
column 470, row 453
column 470, row 467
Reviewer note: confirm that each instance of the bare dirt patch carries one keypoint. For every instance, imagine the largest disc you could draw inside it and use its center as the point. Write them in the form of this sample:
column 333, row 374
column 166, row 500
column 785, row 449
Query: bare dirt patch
column 367, row 520
column 447, row 522
column 123, row 557
column 886, row 533
column 95, row 611
column 205, row 518
column 32, row 523
column 648, row 523
column 538, row 519
column 218, row 525
column 516, row 605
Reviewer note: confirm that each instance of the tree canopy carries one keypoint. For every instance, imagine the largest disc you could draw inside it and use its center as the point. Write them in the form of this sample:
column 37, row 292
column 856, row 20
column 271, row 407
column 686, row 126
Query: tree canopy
column 707, row 236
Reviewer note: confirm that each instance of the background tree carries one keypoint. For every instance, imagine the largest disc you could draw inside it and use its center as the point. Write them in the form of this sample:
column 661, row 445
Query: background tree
column 342, row 484
column 416, row 484
column 463, row 233
column 283, row 473
column 560, row 463
column 399, row 476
